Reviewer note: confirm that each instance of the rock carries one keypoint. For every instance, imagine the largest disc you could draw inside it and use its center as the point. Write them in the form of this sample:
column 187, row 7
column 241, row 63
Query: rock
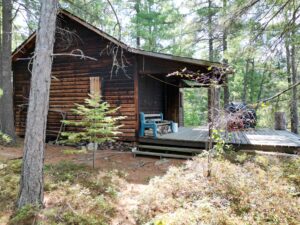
column 92, row 146
column 118, row 146
column 162, row 161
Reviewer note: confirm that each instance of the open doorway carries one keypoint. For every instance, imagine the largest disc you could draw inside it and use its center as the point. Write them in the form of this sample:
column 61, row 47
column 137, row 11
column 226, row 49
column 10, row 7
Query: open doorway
column 195, row 108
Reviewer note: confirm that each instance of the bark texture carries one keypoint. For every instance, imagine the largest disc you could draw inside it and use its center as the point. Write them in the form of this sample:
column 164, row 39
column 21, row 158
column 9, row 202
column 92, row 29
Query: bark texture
column 0, row 62
column 245, row 82
column 211, row 57
column 6, row 102
column 280, row 121
column 31, row 187
column 294, row 102
column 224, row 43
column 137, row 11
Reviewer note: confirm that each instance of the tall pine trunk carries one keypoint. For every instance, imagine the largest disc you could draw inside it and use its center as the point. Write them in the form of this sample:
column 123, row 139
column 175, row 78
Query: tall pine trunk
column 137, row 11
column 293, row 64
column 31, row 186
column 6, row 102
column 213, row 90
column 245, row 82
column 294, row 100
column 1, row 18
column 28, row 5
column 211, row 58
column 224, row 44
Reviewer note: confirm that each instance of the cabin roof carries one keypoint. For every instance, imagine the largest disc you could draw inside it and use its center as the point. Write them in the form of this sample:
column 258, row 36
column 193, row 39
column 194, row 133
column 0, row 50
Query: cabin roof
column 64, row 12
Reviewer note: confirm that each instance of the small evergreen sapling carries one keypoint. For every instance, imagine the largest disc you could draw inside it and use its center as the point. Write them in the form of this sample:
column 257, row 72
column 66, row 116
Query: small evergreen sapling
column 97, row 125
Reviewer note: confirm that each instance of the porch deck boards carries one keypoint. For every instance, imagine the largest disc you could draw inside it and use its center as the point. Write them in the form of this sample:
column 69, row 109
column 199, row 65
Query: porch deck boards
column 258, row 139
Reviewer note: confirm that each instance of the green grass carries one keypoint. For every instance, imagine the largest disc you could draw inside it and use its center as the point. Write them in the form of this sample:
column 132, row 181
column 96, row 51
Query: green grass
column 74, row 151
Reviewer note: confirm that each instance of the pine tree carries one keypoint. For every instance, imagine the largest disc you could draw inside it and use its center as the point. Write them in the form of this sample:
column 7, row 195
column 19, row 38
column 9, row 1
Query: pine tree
column 97, row 125
column 6, row 103
column 154, row 24
column 32, row 176
column 3, row 137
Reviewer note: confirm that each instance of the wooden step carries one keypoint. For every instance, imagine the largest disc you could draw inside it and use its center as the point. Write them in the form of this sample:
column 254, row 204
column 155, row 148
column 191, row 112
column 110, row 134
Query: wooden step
column 164, row 155
column 172, row 149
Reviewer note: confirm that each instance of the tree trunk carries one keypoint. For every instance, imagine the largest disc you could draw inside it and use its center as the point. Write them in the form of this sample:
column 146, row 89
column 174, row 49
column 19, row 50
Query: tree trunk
column 280, row 121
column 224, row 43
column 1, row 19
column 260, row 91
column 294, row 102
column 28, row 6
column 137, row 11
column 288, row 60
column 31, row 186
column 6, row 102
column 210, row 102
column 245, row 82
column 251, row 77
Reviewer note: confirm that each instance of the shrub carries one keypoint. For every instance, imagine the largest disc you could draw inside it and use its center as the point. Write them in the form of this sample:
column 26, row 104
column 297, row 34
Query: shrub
column 234, row 194
column 25, row 216
column 9, row 183
column 74, row 194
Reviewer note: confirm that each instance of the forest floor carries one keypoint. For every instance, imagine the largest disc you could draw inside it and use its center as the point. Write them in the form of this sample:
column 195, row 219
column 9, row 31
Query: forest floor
column 123, row 174
column 123, row 190
column 137, row 169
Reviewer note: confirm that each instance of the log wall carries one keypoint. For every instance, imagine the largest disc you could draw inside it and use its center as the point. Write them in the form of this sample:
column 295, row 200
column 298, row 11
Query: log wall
column 71, row 79
column 131, row 89
column 151, row 95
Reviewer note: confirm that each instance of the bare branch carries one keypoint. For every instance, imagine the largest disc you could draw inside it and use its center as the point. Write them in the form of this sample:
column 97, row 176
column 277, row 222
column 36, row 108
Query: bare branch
column 280, row 93
column 117, row 18
column 73, row 53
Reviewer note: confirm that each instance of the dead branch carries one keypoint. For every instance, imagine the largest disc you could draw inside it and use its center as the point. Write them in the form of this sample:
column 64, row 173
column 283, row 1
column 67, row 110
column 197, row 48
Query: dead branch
column 116, row 16
column 270, row 19
column 229, row 21
column 279, row 93
column 119, row 61
column 215, row 75
column 81, row 55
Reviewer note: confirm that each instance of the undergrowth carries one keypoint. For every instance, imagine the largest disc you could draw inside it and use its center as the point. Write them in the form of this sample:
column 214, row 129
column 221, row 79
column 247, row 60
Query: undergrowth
column 243, row 189
column 74, row 194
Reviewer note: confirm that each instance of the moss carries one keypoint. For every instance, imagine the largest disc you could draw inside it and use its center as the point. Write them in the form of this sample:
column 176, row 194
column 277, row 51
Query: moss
column 9, row 183
column 291, row 172
column 75, row 194
column 25, row 215
column 74, row 152
column 67, row 171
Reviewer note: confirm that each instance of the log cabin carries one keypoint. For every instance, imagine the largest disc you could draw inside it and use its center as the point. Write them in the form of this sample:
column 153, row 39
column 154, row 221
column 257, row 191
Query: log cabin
column 133, row 79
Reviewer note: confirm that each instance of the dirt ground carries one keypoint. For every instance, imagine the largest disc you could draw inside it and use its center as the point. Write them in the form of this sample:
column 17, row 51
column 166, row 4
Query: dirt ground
column 139, row 169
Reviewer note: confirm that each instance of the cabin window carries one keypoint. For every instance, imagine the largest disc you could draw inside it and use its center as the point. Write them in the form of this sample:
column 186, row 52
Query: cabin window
column 95, row 85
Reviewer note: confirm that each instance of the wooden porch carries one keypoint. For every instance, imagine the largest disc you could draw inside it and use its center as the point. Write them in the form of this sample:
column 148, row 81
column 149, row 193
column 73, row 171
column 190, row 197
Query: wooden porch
column 193, row 140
